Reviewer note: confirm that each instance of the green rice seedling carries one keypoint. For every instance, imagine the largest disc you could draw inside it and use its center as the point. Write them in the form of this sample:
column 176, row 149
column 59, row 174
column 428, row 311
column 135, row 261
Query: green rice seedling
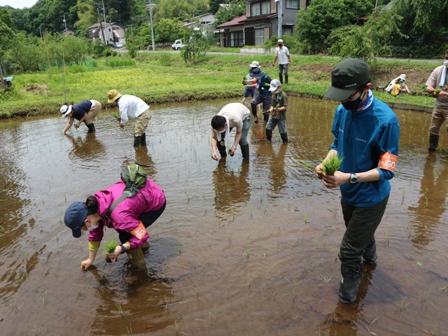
column 325, row 278
column 129, row 329
column 444, row 289
column 110, row 246
column 120, row 310
column 332, row 164
column 35, row 329
column 2, row 229
column 115, row 115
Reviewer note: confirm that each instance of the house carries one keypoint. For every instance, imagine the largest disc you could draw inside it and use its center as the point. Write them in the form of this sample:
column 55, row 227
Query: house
column 110, row 33
column 204, row 23
column 260, row 22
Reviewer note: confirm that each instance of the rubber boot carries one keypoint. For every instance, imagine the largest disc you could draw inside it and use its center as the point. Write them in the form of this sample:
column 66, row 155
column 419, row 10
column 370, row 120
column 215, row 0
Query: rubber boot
column 284, row 137
column 143, row 142
column 254, row 112
column 350, row 280
column 369, row 255
column 145, row 246
column 286, row 78
column 137, row 258
column 222, row 150
column 433, row 143
column 268, row 135
column 245, row 151
column 266, row 117
column 91, row 128
column 280, row 76
column 137, row 141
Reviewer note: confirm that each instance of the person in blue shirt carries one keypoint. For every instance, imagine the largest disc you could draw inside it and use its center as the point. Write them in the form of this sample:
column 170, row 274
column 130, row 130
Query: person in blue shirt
column 85, row 111
column 366, row 135
column 264, row 95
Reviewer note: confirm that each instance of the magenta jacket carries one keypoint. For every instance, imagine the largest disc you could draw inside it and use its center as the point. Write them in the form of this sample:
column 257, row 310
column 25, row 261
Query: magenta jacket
column 125, row 215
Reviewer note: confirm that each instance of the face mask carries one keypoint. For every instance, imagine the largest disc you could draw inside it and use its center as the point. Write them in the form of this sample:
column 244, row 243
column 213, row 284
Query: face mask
column 280, row 45
column 446, row 63
column 353, row 104
column 91, row 228
column 222, row 131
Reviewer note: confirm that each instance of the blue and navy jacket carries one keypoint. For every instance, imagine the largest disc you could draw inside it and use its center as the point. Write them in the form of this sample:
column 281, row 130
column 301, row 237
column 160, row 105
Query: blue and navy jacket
column 80, row 109
column 360, row 137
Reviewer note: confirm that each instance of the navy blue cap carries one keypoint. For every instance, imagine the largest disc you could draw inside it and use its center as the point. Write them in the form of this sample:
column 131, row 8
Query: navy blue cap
column 256, row 73
column 75, row 216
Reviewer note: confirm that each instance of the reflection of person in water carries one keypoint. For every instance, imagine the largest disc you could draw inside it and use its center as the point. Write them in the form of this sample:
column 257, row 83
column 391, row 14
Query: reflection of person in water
column 88, row 148
column 143, row 158
column 230, row 187
column 431, row 204
column 277, row 177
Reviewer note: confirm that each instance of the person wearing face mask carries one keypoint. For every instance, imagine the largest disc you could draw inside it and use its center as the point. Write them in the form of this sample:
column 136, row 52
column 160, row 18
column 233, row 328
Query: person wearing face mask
column 366, row 135
column 231, row 115
column 277, row 111
column 129, row 218
column 284, row 60
column 437, row 86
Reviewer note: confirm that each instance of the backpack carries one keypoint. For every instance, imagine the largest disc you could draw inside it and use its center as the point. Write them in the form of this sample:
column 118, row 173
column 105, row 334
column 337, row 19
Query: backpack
column 134, row 176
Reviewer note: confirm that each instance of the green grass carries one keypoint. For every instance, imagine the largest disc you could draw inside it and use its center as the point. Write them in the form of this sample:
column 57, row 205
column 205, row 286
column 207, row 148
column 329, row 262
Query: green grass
column 159, row 77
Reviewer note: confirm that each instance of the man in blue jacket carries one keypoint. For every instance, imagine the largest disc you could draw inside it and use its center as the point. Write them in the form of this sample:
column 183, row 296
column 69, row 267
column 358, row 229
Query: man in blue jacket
column 366, row 134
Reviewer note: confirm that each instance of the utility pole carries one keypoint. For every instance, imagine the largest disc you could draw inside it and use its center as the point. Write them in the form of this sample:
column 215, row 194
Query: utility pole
column 65, row 22
column 152, row 26
column 280, row 18
column 101, row 25
column 104, row 12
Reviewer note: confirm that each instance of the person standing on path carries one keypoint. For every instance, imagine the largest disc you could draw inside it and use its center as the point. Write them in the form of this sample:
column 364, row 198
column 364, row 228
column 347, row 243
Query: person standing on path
column 284, row 60
column 132, row 107
column 437, row 85
column 231, row 115
column 366, row 135
column 85, row 111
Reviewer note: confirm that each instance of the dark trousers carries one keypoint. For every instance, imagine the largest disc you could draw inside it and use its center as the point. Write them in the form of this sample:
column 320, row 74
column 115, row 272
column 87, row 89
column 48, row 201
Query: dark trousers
column 147, row 218
column 361, row 224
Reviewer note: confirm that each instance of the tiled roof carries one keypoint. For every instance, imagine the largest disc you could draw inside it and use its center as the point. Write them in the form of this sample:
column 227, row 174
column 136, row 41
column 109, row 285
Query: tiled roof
column 238, row 21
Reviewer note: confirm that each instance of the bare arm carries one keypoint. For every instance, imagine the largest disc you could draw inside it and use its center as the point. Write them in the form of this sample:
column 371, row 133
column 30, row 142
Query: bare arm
column 68, row 125
column 214, row 146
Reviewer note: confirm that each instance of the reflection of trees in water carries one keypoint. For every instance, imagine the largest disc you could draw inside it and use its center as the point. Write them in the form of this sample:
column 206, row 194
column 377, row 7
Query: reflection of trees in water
column 431, row 205
column 88, row 148
column 231, row 187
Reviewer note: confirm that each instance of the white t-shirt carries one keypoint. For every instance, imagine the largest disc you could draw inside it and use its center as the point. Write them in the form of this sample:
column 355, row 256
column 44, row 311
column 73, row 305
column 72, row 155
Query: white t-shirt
column 282, row 54
column 236, row 113
column 131, row 106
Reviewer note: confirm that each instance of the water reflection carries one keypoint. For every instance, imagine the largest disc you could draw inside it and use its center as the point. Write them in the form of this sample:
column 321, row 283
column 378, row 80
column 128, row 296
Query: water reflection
column 87, row 148
column 431, row 204
column 231, row 187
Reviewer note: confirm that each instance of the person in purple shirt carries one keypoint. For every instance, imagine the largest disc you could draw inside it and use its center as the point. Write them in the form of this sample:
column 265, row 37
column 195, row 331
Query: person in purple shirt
column 85, row 111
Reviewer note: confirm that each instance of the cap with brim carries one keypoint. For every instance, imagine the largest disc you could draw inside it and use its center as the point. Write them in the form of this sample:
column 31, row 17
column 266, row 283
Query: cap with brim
column 256, row 73
column 274, row 85
column 255, row 64
column 65, row 110
column 113, row 95
column 75, row 216
column 346, row 77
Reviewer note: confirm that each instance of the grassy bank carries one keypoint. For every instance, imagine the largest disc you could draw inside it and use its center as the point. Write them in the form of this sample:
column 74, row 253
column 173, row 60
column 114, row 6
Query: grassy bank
column 163, row 77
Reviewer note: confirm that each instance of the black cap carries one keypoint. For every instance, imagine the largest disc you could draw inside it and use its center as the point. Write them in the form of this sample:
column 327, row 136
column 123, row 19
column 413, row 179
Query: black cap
column 346, row 77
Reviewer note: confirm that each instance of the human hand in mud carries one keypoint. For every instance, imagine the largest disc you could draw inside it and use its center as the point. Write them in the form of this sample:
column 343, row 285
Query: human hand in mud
column 215, row 156
column 85, row 264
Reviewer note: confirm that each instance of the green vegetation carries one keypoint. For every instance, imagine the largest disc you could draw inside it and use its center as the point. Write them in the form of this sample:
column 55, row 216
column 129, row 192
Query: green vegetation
column 110, row 246
column 212, row 76
column 332, row 164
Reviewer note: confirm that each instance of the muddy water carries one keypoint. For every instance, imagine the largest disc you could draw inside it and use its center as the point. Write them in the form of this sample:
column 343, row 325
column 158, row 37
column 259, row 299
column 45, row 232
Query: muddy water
column 240, row 250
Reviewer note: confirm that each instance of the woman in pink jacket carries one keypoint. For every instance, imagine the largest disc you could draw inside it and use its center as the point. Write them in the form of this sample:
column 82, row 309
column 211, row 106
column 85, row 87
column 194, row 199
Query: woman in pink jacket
column 130, row 218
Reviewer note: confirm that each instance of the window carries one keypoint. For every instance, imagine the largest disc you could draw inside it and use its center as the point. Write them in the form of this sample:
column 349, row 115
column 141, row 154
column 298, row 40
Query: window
column 260, row 8
column 293, row 4
column 259, row 36
column 287, row 30
column 236, row 39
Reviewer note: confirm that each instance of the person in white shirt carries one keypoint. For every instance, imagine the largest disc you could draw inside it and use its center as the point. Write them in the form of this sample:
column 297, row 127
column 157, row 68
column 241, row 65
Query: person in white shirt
column 231, row 115
column 132, row 107
column 284, row 60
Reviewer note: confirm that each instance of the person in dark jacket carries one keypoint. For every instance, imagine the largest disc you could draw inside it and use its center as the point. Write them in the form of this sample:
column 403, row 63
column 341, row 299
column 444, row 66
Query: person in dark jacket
column 85, row 111
column 264, row 95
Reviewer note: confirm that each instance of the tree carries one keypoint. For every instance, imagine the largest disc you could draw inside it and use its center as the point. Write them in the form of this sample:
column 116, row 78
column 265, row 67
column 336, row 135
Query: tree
column 26, row 52
column 168, row 30
column 6, row 38
column 197, row 47
column 230, row 10
column 368, row 40
column 315, row 24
